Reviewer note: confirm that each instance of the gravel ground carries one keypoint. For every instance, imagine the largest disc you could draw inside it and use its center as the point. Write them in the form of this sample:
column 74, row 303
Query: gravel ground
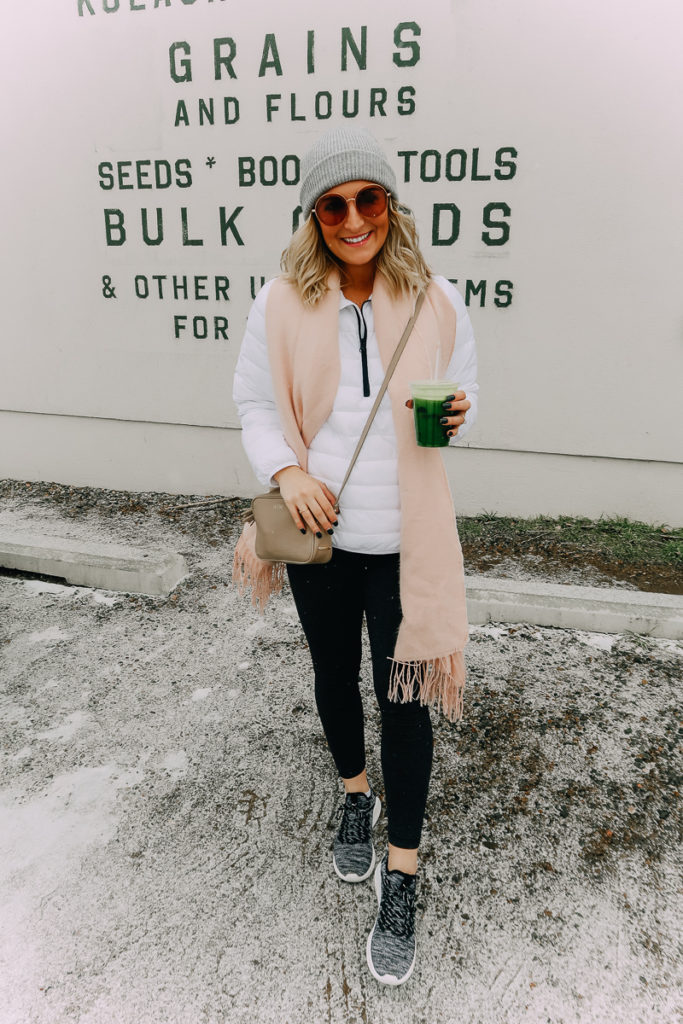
column 168, row 805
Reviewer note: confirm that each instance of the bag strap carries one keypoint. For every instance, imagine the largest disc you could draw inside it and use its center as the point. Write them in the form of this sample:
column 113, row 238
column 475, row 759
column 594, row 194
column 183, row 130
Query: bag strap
column 385, row 383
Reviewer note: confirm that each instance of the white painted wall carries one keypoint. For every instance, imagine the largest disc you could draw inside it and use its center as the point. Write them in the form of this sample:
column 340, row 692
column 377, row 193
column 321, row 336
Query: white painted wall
column 586, row 360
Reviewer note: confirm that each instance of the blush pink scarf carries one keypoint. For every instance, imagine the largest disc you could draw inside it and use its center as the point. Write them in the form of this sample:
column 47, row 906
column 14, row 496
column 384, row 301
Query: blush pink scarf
column 303, row 349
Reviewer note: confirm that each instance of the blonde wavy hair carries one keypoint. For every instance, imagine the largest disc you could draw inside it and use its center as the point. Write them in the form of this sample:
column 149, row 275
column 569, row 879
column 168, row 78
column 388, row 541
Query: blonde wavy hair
column 307, row 261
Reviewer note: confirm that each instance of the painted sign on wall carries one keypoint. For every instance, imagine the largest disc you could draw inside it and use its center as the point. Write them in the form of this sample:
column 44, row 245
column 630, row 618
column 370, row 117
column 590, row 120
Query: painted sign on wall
column 152, row 201
column 154, row 178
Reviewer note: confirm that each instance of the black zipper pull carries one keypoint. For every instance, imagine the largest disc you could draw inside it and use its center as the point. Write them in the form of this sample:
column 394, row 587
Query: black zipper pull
column 363, row 336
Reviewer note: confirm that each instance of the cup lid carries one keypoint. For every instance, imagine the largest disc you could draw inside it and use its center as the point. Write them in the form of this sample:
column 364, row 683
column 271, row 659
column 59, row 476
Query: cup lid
column 429, row 388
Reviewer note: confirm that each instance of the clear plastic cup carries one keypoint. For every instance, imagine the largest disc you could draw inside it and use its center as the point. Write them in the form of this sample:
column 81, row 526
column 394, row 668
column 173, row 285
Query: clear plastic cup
column 428, row 398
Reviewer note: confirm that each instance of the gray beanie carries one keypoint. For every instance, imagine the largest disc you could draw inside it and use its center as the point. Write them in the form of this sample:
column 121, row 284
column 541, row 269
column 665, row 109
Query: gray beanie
column 343, row 154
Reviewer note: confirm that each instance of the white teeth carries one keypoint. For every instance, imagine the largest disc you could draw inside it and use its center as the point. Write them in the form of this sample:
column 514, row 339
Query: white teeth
column 357, row 239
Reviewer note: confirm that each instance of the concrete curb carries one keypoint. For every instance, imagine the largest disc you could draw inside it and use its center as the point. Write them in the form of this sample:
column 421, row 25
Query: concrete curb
column 89, row 564
column 139, row 571
column 598, row 609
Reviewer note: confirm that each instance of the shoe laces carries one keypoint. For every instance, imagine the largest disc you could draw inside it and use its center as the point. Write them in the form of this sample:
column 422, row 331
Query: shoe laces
column 397, row 908
column 355, row 823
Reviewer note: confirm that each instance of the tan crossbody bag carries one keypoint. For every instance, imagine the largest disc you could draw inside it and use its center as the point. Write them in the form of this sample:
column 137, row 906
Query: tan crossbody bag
column 278, row 539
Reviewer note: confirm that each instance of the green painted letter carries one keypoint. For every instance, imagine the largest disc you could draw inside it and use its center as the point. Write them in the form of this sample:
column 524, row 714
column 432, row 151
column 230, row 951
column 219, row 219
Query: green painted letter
column 222, row 60
column 378, row 97
column 113, row 221
column 453, row 210
column 228, row 224
column 181, row 115
column 349, row 43
column 406, row 100
column 504, row 227
column 310, row 52
column 185, row 65
column 270, row 58
column 406, row 154
column 509, row 165
column 186, row 231
column 146, row 237
column 472, row 289
column 406, row 60
column 503, row 294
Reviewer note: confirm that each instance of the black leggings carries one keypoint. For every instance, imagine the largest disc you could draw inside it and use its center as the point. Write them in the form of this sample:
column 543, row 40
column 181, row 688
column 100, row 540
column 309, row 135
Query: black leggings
column 331, row 600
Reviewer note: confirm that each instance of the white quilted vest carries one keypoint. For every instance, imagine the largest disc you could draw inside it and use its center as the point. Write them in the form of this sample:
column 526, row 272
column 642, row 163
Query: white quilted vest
column 370, row 516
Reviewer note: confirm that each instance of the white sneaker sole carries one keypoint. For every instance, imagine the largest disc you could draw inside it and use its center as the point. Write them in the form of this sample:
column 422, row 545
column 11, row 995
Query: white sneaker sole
column 384, row 979
column 352, row 877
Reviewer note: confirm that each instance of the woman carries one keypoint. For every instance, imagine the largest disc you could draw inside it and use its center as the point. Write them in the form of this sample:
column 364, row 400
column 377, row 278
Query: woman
column 317, row 342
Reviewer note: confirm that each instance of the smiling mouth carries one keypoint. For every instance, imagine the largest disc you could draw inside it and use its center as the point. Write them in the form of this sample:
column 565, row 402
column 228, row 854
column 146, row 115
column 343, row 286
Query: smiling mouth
column 357, row 239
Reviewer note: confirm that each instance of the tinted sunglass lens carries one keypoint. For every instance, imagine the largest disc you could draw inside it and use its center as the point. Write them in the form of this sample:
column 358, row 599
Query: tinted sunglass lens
column 331, row 210
column 370, row 202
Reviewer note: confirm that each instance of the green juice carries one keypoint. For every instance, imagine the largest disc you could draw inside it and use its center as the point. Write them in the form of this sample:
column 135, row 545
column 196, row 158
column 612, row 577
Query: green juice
column 428, row 398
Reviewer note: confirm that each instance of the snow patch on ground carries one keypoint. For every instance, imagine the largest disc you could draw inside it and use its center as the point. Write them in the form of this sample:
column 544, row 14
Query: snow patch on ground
column 67, row 728
column 74, row 812
column 51, row 683
column 44, row 587
column 51, row 635
column 176, row 764
column 601, row 641
column 21, row 754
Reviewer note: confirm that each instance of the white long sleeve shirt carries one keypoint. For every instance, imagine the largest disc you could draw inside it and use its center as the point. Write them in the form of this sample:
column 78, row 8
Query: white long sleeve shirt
column 370, row 514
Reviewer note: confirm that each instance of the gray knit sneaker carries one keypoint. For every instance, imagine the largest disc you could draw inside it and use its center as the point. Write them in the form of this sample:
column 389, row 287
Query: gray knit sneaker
column 354, row 854
column 391, row 948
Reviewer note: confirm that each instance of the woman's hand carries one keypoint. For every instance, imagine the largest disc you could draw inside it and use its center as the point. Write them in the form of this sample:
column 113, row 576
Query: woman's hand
column 454, row 409
column 309, row 501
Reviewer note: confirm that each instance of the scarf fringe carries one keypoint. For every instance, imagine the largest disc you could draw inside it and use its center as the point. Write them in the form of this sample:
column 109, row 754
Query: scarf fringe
column 248, row 570
column 440, row 683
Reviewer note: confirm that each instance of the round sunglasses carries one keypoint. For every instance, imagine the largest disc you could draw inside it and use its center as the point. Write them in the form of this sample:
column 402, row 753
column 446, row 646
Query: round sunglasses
column 332, row 209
